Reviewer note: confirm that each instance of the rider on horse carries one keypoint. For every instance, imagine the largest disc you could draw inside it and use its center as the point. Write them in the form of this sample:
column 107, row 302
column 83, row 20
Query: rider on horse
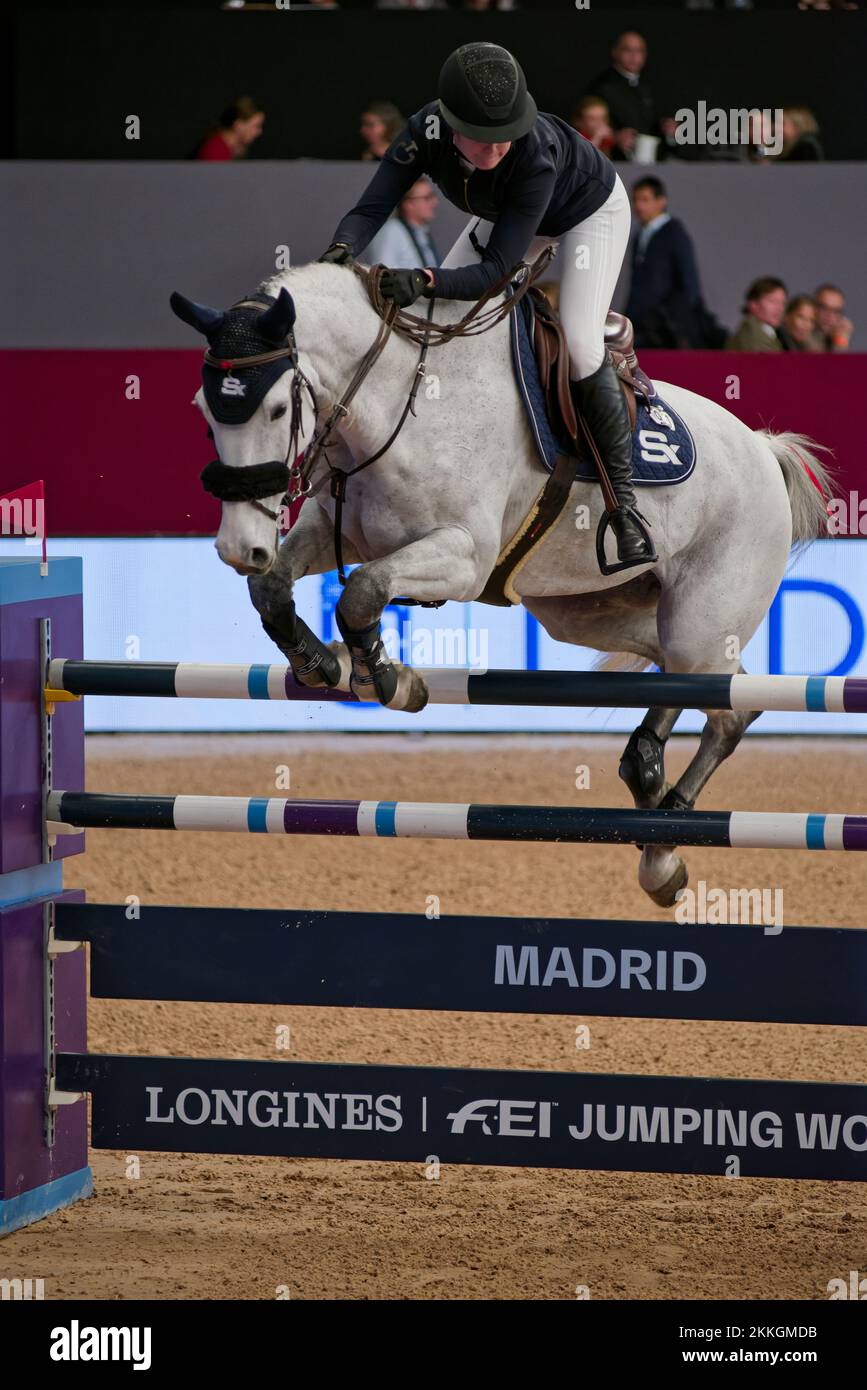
column 529, row 180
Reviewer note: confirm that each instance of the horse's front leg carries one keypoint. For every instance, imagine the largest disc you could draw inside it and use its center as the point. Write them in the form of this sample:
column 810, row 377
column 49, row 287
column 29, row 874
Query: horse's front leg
column 445, row 564
column 308, row 549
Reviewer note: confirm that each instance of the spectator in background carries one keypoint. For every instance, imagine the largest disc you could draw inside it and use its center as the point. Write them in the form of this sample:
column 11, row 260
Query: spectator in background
column 763, row 313
column 800, row 135
column 404, row 241
column 665, row 301
column 240, row 124
column 798, row 324
column 833, row 329
column 410, row 4
column 380, row 122
column 591, row 120
column 628, row 97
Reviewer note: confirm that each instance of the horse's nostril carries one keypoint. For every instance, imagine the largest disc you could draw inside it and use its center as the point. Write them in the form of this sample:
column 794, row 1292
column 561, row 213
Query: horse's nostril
column 260, row 558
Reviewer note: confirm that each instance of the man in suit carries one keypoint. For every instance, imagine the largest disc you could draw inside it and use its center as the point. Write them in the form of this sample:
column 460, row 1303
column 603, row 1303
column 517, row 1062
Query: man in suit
column 630, row 103
column 404, row 240
column 764, row 307
column 665, row 301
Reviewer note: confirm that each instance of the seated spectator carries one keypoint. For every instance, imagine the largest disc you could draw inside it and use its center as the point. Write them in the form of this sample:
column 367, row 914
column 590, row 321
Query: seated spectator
column 592, row 121
column 404, row 241
column 833, row 329
column 381, row 121
column 799, row 323
column 763, row 313
column 628, row 97
column 665, row 301
column 240, row 124
column 800, row 135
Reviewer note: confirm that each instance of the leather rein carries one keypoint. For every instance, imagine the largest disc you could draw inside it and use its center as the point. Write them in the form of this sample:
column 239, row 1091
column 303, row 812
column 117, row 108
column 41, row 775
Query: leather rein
column 257, row 481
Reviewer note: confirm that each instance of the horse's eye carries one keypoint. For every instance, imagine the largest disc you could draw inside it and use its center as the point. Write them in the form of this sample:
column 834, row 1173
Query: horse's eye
column 278, row 412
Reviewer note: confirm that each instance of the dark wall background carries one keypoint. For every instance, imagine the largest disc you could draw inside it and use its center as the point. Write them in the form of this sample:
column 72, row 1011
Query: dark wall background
column 93, row 250
column 78, row 73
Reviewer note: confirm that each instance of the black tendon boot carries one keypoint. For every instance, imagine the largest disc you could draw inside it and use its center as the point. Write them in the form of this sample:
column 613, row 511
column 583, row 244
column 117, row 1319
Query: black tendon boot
column 600, row 400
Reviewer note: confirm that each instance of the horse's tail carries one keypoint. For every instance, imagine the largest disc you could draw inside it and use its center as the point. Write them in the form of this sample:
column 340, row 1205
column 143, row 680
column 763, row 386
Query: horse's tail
column 809, row 482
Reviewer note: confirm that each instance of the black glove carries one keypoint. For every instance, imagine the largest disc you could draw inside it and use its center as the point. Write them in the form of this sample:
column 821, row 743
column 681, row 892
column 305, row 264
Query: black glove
column 402, row 286
column 337, row 254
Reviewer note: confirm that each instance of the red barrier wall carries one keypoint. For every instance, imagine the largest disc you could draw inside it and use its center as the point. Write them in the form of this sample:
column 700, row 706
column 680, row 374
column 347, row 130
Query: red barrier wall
column 114, row 466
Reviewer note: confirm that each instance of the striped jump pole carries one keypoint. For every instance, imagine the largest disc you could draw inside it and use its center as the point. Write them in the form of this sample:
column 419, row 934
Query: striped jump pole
column 463, row 686
column 443, row 821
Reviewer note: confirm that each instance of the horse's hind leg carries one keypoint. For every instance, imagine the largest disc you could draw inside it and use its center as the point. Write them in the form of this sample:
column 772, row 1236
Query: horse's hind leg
column 642, row 766
column 662, row 871
column 704, row 623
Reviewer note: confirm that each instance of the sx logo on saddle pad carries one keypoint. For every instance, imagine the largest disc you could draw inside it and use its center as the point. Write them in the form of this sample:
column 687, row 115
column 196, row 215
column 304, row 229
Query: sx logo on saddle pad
column 655, row 448
column 232, row 386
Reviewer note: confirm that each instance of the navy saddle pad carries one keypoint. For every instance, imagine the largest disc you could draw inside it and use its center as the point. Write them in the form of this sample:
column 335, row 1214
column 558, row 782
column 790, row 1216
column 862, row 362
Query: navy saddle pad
column 663, row 452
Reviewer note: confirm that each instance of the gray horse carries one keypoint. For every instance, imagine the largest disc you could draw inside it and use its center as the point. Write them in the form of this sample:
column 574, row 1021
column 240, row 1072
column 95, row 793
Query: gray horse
column 429, row 518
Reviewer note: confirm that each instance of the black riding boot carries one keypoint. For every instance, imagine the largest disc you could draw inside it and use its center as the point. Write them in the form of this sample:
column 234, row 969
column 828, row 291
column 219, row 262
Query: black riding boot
column 600, row 400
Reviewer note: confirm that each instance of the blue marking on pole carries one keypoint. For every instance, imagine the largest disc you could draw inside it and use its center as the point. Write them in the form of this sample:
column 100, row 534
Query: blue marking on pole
column 257, row 682
column 814, row 698
column 257, row 812
column 815, row 835
column 386, row 818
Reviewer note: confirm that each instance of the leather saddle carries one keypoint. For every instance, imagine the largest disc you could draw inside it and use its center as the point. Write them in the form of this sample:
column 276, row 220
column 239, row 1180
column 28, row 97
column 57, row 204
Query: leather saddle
column 552, row 357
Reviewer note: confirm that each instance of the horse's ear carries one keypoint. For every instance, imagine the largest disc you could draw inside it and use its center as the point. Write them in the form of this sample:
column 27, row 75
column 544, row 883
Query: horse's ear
column 276, row 322
column 198, row 316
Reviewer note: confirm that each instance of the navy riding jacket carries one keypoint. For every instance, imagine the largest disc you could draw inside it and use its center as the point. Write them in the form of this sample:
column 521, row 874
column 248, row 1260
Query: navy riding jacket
column 550, row 180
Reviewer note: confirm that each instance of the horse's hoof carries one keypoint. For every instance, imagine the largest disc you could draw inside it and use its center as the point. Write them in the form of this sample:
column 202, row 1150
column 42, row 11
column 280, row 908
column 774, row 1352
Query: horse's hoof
column 412, row 693
column 664, row 893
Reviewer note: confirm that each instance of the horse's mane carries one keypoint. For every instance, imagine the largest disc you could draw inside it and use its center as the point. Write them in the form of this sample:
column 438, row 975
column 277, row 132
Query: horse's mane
column 324, row 281
column 315, row 280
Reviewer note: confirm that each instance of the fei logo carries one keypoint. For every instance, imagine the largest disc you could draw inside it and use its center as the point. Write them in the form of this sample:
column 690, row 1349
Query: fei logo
column 522, row 1119
column 655, row 448
column 232, row 386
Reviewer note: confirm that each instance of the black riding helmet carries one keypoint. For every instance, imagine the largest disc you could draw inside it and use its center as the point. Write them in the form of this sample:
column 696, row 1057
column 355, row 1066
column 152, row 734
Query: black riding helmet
column 483, row 94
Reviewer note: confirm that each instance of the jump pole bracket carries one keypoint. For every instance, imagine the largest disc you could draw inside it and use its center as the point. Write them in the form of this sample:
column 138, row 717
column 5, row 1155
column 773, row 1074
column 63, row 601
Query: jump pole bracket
column 54, row 1096
column 57, row 697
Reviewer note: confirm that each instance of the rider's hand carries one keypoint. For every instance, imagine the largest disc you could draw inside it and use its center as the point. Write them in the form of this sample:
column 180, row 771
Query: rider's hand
column 337, row 254
column 403, row 286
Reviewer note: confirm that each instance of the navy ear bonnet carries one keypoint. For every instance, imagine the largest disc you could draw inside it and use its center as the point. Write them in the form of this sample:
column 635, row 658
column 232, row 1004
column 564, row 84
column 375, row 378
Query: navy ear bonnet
column 255, row 325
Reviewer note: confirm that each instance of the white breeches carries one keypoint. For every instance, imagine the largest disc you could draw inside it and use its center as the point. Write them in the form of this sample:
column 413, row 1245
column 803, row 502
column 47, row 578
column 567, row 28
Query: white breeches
column 590, row 255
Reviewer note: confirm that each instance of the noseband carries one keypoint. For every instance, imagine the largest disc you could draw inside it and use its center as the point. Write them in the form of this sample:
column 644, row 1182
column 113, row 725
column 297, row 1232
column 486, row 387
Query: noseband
column 259, row 480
